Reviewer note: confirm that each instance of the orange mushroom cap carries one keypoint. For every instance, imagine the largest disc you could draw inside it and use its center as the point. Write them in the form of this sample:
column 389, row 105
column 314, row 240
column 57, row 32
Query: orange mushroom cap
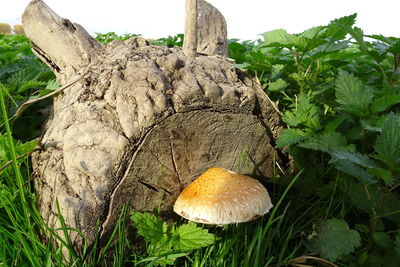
column 220, row 196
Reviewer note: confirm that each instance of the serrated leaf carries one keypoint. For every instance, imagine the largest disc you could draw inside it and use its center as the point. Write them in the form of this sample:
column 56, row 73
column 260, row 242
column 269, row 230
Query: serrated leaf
column 30, row 85
column 52, row 85
column 149, row 226
column 27, row 146
column 352, row 156
column 337, row 28
column 277, row 85
column 329, row 48
column 325, row 142
column 189, row 237
column 387, row 144
column 312, row 32
column 384, row 102
column 352, row 95
column 354, row 170
column 305, row 113
column 365, row 198
column 334, row 239
column 280, row 38
column 290, row 136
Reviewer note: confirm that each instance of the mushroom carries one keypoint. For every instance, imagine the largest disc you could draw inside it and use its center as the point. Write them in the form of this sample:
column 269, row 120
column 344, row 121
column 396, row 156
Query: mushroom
column 220, row 196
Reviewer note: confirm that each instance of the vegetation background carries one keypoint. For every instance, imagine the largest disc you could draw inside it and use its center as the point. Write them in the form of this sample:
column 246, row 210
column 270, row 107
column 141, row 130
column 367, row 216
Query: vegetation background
column 339, row 205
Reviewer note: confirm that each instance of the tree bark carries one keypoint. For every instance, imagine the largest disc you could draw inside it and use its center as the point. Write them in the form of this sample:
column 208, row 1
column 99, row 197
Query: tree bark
column 71, row 47
column 212, row 34
column 142, row 123
column 190, row 37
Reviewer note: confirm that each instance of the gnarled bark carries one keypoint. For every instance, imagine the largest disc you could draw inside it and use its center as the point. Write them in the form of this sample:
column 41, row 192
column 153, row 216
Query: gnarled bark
column 140, row 125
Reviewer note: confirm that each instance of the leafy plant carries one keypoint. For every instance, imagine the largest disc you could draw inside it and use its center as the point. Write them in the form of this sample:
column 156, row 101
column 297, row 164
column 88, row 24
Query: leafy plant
column 106, row 38
column 339, row 93
column 166, row 243
column 333, row 239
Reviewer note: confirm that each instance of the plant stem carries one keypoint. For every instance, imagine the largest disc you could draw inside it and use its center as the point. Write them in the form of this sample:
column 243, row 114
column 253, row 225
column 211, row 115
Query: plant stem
column 18, row 175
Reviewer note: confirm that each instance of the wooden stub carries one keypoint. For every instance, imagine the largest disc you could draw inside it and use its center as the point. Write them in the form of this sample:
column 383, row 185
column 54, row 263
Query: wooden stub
column 63, row 45
column 212, row 34
column 190, row 41
column 140, row 125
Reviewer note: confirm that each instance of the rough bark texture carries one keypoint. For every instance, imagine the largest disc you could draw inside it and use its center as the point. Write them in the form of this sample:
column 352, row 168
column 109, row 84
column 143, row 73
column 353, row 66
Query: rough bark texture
column 140, row 125
column 212, row 34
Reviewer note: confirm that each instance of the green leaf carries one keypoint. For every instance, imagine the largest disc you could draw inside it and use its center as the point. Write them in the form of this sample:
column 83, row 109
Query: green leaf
column 352, row 156
column 304, row 113
column 374, row 123
column 325, row 142
column 312, row 32
column 384, row 102
column 384, row 174
column 354, row 170
column 276, row 71
column 334, row 123
column 189, row 237
column 352, row 95
column 290, row 136
column 364, row 197
column 334, row 239
column 330, row 47
column 150, row 227
column 337, row 28
column 387, row 144
column 277, row 85
column 52, row 85
column 30, row 85
column 280, row 38
column 397, row 243
column 382, row 239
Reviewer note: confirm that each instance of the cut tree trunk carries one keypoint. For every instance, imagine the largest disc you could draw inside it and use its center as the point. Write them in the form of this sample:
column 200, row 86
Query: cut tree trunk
column 141, row 124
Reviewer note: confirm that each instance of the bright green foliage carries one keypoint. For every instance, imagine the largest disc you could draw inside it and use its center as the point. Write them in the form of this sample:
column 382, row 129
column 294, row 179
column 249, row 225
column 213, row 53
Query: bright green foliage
column 325, row 142
column 106, row 38
column 352, row 96
column 334, row 239
column 387, row 144
column 170, row 41
column 166, row 243
column 280, row 38
column 304, row 113
column 339, row 94
column 188, row 237
column 290, row 136
column 152, row 228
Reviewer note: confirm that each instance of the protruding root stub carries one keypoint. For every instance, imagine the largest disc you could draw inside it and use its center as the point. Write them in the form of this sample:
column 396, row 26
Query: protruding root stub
column 143, row 122
column 190, row 41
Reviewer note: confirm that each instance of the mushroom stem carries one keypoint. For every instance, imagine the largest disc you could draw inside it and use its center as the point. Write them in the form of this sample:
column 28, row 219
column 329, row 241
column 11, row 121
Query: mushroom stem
column 190, row 39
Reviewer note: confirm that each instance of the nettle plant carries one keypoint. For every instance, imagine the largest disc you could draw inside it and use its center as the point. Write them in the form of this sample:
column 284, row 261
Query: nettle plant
column 339, row 91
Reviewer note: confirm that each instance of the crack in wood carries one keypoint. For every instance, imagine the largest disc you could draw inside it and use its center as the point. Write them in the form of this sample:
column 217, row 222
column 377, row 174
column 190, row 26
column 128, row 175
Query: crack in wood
column 174, row 161
column 149, row 186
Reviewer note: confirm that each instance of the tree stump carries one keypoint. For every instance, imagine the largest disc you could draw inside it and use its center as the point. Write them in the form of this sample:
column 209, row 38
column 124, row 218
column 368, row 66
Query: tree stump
column 139, row 124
